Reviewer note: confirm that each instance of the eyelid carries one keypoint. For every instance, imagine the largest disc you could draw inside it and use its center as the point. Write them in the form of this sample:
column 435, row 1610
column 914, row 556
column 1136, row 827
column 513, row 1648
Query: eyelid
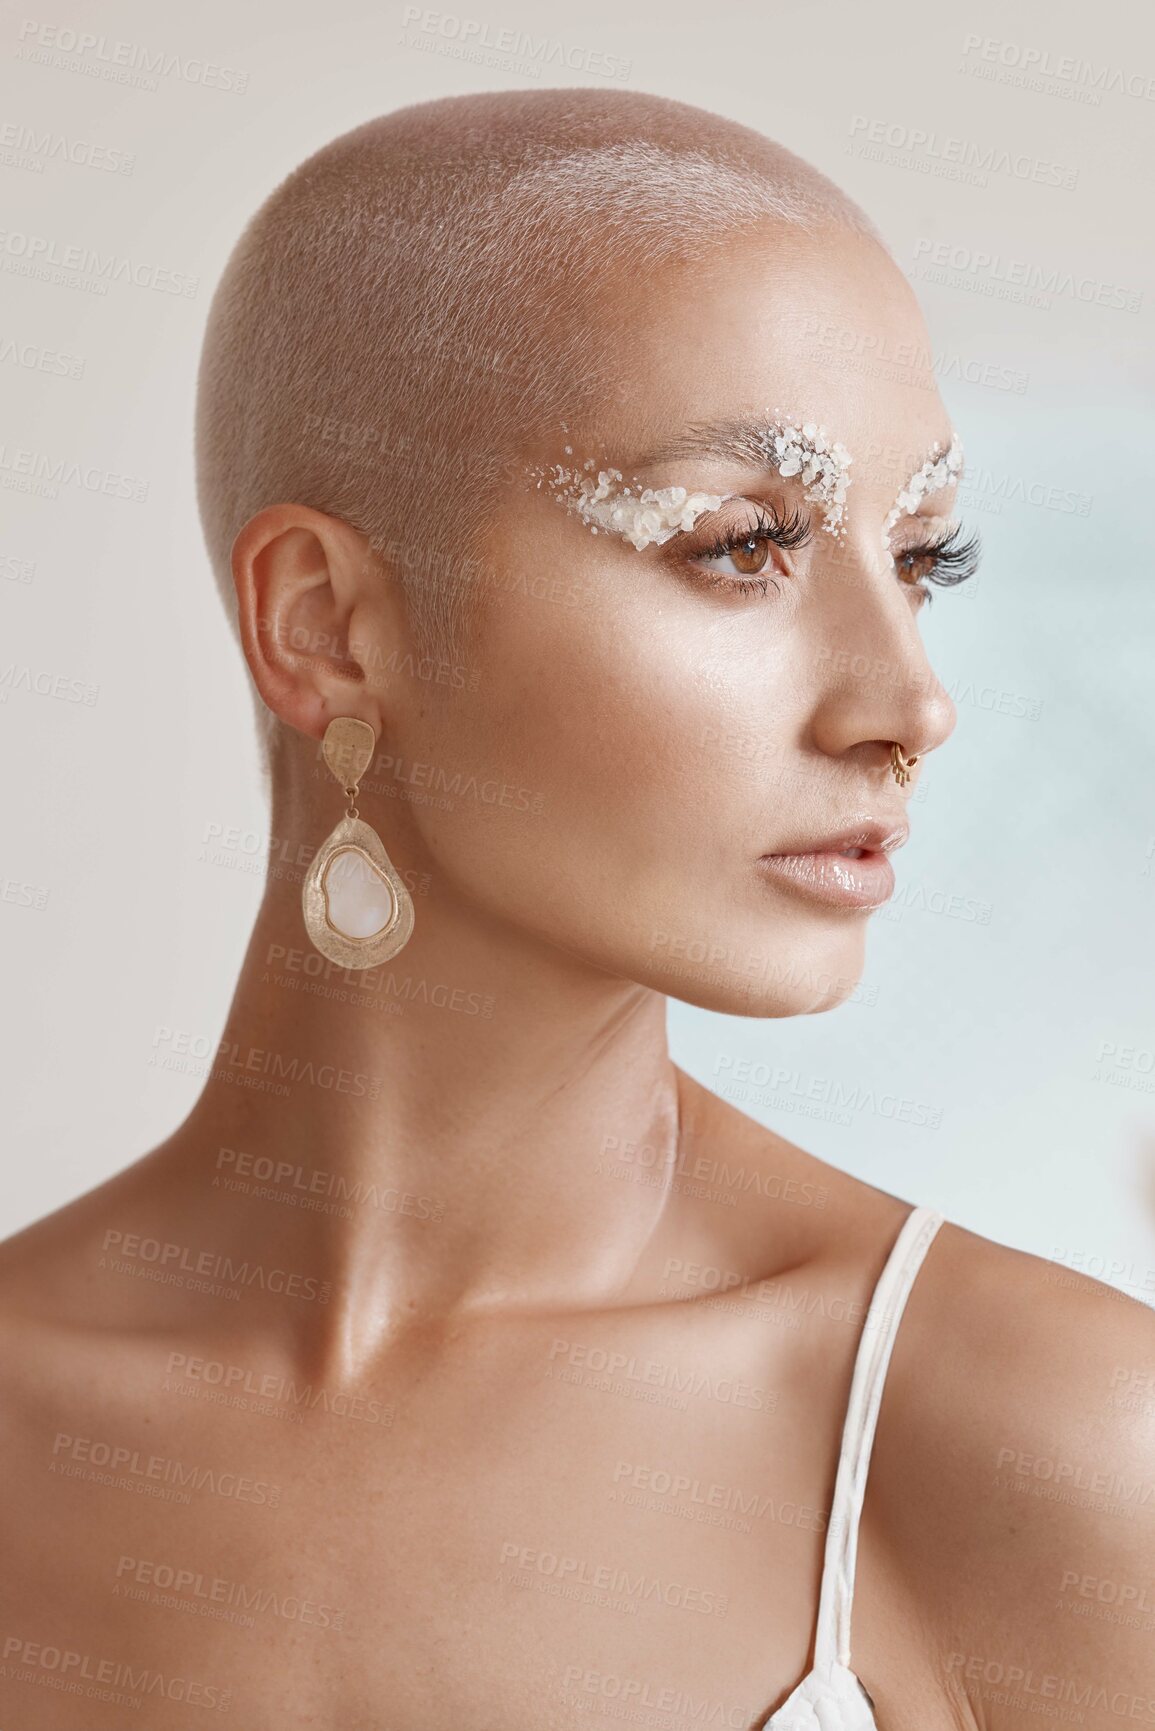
column 767, row 508
column 931, row 526
column 787, row 529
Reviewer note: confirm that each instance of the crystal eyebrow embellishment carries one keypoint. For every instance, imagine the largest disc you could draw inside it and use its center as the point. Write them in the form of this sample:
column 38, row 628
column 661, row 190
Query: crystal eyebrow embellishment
column 823, row 466
column 648, row 517
column 936, row 472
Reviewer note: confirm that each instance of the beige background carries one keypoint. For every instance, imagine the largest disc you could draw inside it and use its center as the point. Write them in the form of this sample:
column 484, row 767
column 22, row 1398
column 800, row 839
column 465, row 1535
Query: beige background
column 998, row 1060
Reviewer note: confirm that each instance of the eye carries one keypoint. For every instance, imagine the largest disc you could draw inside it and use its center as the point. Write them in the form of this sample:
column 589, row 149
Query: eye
column 747, row 547
column 946, row 559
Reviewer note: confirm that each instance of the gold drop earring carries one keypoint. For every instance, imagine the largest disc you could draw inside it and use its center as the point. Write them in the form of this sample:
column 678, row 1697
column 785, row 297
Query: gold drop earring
column 357, row 910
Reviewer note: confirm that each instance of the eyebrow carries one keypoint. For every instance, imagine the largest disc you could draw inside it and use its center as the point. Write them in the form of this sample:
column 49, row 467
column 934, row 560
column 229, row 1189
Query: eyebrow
column 743, row 440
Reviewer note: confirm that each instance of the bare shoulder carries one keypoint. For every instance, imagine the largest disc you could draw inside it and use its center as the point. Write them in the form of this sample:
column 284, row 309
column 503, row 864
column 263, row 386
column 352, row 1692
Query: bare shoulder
column 1012, row 1487
column 46, row 1268
column 775, row 1206
column 1008, row 1529
column 59, row 1308
column 50, row 1321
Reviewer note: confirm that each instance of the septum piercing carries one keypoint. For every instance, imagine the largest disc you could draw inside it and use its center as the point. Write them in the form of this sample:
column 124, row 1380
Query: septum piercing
column 901, row 765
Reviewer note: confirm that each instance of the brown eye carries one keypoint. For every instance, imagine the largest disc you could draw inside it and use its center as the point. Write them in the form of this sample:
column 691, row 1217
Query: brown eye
column 751, row 554
column 916, row 566
column 947, row 559
column 742, row 556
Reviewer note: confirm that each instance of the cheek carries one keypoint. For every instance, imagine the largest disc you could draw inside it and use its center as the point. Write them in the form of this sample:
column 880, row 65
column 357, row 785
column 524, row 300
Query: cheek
column 644, row 720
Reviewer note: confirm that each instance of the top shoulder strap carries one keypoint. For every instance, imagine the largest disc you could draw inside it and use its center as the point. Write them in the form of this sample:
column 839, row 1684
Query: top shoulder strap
column 832, row 1641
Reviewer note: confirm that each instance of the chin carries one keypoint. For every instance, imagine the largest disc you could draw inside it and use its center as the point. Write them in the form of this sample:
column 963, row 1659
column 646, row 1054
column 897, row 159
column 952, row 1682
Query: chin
column 744, row 974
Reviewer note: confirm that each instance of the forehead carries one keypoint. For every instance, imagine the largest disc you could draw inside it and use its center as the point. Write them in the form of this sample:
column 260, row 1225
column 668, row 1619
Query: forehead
column 776, row 323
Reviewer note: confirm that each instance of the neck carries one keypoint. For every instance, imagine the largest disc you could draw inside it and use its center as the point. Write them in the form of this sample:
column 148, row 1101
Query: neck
column 435, row 1136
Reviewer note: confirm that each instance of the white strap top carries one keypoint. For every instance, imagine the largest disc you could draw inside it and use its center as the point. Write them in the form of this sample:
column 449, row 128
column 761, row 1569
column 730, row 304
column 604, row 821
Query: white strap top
column 830, row 1697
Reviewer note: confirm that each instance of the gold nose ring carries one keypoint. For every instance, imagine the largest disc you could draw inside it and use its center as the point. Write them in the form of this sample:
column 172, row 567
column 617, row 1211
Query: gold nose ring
column 901, row 765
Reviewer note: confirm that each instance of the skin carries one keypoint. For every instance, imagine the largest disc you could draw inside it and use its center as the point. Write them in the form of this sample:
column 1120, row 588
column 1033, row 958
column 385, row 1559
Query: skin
column 564, row 1181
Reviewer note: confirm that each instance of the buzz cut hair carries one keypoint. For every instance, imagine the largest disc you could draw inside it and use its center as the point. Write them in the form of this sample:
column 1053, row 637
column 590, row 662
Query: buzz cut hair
column 424, row 298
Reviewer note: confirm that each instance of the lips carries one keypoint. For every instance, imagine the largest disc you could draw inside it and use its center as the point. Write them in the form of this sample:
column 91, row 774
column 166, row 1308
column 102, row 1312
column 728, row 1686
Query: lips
column 870, row 835
column 848, row 868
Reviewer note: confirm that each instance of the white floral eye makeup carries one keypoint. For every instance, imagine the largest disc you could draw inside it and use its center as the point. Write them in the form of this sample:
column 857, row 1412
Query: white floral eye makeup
column 646, row 516
column 936, row 472
column 942, row 555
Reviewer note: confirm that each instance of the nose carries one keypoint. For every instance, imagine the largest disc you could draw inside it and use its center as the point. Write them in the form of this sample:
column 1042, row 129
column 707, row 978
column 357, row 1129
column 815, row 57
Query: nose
column 875, row 685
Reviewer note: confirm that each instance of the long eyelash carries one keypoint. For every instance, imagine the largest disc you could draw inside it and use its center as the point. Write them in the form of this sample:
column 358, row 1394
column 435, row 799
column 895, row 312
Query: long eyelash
column 790, row 531
column 793, row 530
column 955, row 559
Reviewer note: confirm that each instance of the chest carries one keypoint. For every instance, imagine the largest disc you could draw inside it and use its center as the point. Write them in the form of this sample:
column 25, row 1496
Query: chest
column 601, row 1520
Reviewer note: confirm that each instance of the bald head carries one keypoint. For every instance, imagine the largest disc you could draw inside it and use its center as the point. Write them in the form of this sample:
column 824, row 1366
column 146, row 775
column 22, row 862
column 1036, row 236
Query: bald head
column 430, row 294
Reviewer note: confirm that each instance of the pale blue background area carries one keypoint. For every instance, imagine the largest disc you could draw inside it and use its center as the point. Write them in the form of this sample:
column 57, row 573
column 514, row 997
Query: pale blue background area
column 1019, row 947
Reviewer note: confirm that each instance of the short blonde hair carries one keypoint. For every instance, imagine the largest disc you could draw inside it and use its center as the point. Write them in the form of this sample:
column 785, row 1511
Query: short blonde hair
column 414, row 304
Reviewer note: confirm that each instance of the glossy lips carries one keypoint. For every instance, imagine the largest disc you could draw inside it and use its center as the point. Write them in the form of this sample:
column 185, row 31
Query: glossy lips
column 850, row 869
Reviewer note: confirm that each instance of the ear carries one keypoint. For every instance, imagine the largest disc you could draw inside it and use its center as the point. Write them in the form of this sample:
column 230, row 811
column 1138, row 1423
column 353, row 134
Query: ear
column 302, row 578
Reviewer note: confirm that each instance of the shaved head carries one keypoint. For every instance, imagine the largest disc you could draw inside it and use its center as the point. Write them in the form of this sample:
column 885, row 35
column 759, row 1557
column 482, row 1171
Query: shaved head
column 431, row 293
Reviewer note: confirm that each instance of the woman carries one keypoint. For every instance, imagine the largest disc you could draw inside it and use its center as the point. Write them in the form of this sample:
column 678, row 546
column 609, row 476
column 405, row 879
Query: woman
column 459, row 1359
